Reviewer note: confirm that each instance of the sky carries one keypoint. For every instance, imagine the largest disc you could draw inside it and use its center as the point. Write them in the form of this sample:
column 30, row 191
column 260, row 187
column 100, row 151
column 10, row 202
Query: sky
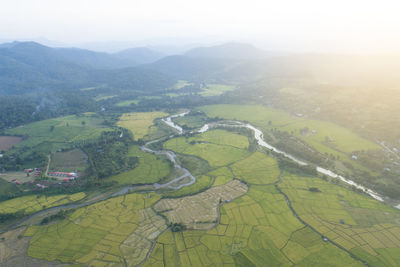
column 340, row 26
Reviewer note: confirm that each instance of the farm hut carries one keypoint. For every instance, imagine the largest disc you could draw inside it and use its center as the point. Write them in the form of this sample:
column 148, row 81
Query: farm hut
column 354, row 157
column 342, row 221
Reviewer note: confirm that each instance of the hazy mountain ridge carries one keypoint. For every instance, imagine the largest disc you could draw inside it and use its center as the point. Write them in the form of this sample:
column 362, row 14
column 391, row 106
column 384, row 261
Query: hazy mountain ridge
column 140, row 55
column 29, row 66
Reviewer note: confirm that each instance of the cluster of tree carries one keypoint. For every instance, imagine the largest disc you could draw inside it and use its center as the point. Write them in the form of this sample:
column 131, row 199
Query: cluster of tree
column 108, row 154
column 4, row 217
column 296, row 147
column 18, row 110
column 177, row 227
column 19, row 159
column 291, row 166
column 61, row 215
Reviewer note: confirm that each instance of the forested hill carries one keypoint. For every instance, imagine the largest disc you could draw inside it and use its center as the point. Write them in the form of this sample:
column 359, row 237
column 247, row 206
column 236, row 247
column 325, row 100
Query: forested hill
column 29, row 67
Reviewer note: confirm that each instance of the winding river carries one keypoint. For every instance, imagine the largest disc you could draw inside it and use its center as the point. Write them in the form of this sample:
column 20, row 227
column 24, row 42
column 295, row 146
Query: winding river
column 258, row 135
column 184, row 177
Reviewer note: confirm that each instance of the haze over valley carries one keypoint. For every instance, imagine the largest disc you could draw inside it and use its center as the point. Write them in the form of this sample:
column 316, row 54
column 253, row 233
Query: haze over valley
column 187, row 133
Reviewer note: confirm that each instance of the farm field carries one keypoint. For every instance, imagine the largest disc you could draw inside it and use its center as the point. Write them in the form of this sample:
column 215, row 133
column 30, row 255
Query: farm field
column 367, row 228
column 7, row 142
column 343, row 140
column 13, row 250
column 200, row 211
column 218, row 147
column 255, row 229
column 222, row 175
column 69, row 161
column 149, row 170
column 216, row 89
column 62, row 131
column 241, row 211
column 257, row 169
column 139, row 122
column 34, row 203
column 19, row 176
column 99, row 234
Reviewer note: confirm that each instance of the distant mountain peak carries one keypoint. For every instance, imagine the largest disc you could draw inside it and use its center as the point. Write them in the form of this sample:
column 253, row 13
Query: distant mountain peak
column 17, row 44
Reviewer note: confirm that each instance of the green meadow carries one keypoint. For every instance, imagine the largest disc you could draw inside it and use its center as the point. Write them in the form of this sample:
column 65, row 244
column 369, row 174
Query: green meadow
column 150, row 169
column 343, row 140
column 218, row 147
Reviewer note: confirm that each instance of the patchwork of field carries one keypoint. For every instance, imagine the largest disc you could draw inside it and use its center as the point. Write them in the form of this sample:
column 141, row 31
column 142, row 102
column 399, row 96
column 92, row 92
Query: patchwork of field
column 34, row 203
column 200, row 211
column 100, row 234
column 69, row 161
column 216, row 89
column 150, row 169
column 257, row 229
column 367, row 228
column 7, row 142
column 136, row 247
column 222, row 175
column 257, row 169
column 241, row 211
column 139, row 122
column 268, row 118
column 218, row 147
column 13, row 248
column 61, row 131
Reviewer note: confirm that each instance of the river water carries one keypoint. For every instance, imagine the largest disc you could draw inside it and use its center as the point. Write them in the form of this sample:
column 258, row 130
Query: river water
column 258, row 135
column 185, row 174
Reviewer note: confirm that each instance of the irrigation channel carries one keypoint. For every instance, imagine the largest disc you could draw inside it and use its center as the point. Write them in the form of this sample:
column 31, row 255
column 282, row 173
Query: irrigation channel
column 184, row 177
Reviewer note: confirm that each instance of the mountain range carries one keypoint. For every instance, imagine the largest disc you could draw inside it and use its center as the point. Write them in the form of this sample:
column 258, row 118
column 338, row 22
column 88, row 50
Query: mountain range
column 27, row 67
